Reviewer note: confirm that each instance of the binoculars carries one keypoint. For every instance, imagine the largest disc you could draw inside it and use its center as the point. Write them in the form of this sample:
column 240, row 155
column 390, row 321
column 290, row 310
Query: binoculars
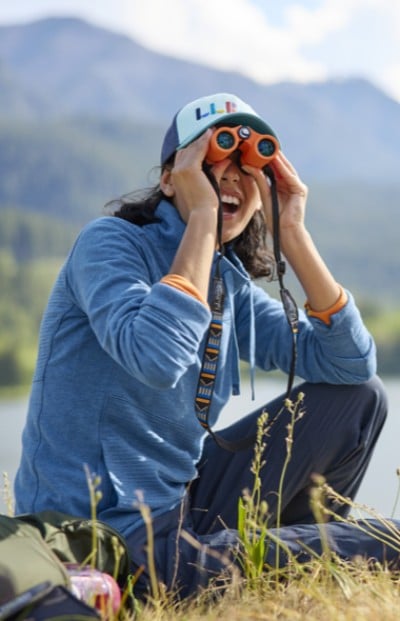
column 255, row 149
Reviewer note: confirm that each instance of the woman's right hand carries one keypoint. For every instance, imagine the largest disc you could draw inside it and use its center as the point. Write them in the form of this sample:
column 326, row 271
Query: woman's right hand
column 194, row 197
column 191, row 186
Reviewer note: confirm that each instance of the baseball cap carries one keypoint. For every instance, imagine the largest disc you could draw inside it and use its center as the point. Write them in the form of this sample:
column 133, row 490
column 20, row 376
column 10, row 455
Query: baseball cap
column 196, row 116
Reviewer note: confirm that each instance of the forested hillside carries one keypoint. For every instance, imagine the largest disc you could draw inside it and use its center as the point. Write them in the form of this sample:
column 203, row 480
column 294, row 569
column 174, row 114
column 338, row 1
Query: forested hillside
column 33, row 246
column 68, row 171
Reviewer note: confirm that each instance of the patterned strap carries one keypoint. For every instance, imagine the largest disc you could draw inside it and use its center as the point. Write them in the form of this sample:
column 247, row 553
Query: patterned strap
column 205, row 387
column 208, row 371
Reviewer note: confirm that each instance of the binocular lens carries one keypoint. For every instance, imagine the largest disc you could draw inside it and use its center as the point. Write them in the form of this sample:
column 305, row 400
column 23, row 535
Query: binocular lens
column 226, row 140
column 266, row 147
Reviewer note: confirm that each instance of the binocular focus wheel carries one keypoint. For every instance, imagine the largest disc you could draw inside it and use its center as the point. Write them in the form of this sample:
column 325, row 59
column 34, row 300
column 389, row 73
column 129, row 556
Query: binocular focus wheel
column 244, row 132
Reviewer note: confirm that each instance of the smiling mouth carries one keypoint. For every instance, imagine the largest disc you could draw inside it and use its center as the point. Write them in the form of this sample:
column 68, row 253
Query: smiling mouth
column 230, row 203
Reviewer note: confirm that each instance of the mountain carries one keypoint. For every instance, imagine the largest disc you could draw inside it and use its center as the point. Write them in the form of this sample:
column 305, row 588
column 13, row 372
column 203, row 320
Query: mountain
column 59, row 68
column 77, row 69
column 83, row 111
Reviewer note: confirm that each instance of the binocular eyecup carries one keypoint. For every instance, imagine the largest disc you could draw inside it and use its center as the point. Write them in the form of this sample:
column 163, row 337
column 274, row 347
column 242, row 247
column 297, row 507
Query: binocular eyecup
column 255, row 149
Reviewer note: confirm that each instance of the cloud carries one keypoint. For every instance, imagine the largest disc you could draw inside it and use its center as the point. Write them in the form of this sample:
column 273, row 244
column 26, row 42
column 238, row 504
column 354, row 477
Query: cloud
column 391, row 80
column 298, row 40
column 217, row 34
column 362, row 36
column 390, row 71
column 240, row 37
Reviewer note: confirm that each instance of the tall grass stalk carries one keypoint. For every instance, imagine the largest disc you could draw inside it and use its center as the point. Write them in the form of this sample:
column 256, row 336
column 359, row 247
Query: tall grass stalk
column 382, row 529
column 253, row 509
column 95, row 495
column 296, row 413
column 253, row 513
column 159, row 599
column 318, row 504
column 146, row 515
column 7, row 495
column 396, row 500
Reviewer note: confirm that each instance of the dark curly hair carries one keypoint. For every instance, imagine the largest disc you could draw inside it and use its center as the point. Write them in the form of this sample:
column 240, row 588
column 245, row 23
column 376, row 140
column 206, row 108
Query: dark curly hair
column 250, row 246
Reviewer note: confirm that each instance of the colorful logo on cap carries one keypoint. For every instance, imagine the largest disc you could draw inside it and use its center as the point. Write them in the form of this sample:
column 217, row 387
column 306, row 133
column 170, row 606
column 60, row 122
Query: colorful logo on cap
column 230, row 108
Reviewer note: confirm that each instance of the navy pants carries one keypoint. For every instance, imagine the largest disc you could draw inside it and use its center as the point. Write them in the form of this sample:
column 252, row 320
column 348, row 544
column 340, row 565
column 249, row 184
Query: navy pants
column 334, row 438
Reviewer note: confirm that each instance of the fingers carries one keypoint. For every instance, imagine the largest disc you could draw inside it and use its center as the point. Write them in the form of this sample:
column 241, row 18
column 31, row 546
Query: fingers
column 287, row 178
column 261, row 181
column 192, row 189
column 194, row 153
column 193, row 156
column 282, row 162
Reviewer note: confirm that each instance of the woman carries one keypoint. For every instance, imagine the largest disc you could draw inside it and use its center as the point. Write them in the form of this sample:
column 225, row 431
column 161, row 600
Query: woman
column 121, row 351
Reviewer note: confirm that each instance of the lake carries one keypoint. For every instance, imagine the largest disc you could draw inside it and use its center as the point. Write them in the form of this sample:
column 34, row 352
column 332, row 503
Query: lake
column 378, row 490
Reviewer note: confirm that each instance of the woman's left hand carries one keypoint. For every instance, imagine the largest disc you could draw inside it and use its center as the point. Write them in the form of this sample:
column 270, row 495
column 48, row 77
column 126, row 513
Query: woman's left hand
column 292, row 193
column 320, row 287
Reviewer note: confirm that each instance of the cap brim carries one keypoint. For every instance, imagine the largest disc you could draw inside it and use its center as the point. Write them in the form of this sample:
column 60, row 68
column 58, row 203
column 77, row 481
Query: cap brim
column 236, row 118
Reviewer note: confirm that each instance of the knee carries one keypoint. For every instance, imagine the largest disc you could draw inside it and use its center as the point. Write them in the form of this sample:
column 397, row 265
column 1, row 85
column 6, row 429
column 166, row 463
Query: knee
column 366, row 403
column 372, row 396
column 376, row 391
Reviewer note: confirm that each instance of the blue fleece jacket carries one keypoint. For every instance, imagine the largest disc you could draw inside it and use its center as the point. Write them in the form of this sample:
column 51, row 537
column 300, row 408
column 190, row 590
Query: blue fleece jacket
column 118, row 366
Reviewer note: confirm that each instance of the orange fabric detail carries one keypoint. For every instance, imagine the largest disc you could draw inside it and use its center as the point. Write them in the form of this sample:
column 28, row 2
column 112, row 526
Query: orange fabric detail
column 325, row 315
column 183, row 284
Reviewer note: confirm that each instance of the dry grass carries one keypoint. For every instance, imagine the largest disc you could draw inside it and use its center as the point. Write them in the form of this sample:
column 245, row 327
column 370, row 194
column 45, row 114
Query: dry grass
column 325, row 589
column 355, row 593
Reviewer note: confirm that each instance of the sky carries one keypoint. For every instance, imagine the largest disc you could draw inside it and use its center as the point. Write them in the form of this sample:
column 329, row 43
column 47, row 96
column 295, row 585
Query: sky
column 267, row 40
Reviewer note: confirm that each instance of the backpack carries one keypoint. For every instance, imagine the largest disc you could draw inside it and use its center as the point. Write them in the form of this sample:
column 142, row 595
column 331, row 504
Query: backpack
column 70, row 539
column 47, row 603
column 34, row 551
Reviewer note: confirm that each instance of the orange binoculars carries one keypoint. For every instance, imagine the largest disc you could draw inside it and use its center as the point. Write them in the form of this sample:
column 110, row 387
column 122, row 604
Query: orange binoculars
column 256, row 149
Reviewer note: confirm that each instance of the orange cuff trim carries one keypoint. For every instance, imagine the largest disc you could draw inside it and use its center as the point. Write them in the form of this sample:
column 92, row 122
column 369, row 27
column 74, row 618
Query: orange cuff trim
column 183, row 284
column 325, row 315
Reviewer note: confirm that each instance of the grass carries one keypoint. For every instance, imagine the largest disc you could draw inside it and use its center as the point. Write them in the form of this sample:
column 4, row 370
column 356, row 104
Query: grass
column 333, row 591
column 361, row 596
column 326, row 588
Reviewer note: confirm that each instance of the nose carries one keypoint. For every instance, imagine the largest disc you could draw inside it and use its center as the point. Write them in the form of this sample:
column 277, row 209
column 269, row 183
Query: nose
column 231, row 173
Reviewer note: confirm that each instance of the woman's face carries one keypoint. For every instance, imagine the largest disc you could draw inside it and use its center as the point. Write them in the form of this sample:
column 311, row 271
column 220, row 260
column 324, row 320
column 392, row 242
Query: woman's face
column 240, row 199
column 185, row 184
